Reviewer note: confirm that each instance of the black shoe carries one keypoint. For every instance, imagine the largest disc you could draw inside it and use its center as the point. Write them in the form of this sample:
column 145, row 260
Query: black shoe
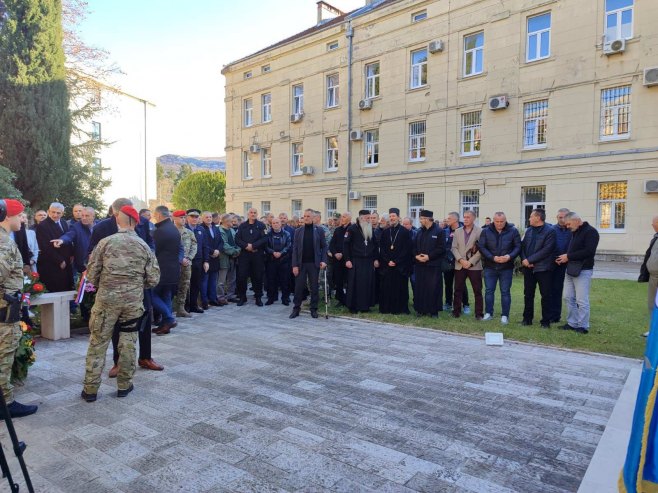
column 242, row 302
column 196, row 309
column 259, row 302
column 295, row 313
column 214, row 303
column 285, row 302
column 567, row 327
column 526, row 322
column 123, row 393
column 581, row 330
column 205, row 306
column 555, row 320
column 269, row 302
column 314, row 313
column 18, row 410
column 88, row 397
column 545, row 325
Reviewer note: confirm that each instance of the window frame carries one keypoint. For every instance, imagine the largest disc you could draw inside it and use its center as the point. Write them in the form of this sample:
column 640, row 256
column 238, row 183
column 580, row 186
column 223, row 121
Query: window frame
column 247, row 75
column 618, row 13
column 331, row 154
column 266, row 162
column 613, row 203
column 367, row 202
column 248, row 112
column 414, row 211
column 247, row 166
column 297, row 158
column 371, row 148
column 415, row 16
column 298, row 100
column 475, row 130
column 266, row 69
column 330, row 211
column 421, row 140
column 96, row 131
column 373, row 87
column 265, row 210
column 616, row 112
column 266, row 107
column 333, row 91
column 421, row 69
column 465, row 205
column 538, row 35
column 333, row 45
column 474, row 51
column 527, row 206
column 540, row 123
column 296, row 212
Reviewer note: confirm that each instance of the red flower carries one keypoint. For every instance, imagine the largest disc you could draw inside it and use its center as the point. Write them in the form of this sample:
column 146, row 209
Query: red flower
column 38, row 287
column 35, row 275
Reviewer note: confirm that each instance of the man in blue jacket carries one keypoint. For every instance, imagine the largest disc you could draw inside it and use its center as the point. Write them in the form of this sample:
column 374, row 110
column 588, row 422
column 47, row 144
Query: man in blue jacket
column 210, row 277
column 278, row 250
column 562, row 239
column 199, row 262
column 500, row 244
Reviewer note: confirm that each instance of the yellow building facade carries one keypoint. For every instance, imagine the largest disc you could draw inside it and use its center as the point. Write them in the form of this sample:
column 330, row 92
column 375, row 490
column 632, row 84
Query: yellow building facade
column 452, row 105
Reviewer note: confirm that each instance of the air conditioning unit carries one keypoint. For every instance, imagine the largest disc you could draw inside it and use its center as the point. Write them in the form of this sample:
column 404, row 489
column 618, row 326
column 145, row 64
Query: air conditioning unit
column 356, row 135
column 613, row 47
column 296, row 117
column 254, row 148
column 307, row 170
column 651, row 186
column 498, row 103
column 436, row 46
column 365, row 104
column 651, row 76
column 354, row 195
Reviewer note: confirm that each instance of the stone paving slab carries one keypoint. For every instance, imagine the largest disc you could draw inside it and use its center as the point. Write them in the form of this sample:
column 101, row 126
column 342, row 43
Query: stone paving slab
column 251, row 401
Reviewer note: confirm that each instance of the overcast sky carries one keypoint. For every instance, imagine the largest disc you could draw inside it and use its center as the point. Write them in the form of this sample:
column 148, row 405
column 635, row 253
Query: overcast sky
column 172, row 53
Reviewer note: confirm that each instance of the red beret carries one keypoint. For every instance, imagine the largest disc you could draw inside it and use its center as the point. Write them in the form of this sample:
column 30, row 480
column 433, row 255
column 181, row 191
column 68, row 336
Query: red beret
column 179, row 214
column 130, row 211
column 14, row 207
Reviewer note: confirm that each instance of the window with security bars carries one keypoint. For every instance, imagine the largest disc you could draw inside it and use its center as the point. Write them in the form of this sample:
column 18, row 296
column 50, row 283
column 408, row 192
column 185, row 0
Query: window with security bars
column 245, row 208
column 618, row 19
column 266, row 158
column 296, row 208
column 333, row 87
column 332, row 154
column 535, row 127
column 612, row 206
column 248, row 112
column 297, row 158
column 267, row 107
column 372, row 80
column 469, row 200
column 533, row 198
column 265, row 207
column 247, row 168
column 417, row 141
column 616, row 113
column 370, row 202
column 416, row 203
column 418, row 68
column 372, row 147
column 471, row 133
column 330, row 206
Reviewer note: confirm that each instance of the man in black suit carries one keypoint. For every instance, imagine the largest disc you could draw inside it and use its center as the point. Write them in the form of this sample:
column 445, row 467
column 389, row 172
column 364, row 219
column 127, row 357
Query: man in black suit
column 251, row 262
column 309, row 256
column 211, row 275
column 54, row 264
column 169, row 252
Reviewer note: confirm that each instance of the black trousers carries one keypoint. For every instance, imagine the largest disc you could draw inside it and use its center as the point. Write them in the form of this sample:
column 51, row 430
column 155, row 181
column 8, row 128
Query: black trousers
column 278, row 277
column 250, row 265
column 530, row 281
column 195, row 284
column 557, row 283
column 449, row 280
column 144, row 332
column 339, row 279
column 307, row 271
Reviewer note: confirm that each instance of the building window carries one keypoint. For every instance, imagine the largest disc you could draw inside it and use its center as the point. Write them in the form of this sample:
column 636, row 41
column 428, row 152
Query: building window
column 419, row 16
column 539, row 37
column 469, row 200
column 332, row 46
column 266, row 162
column 535, row 127
column 372, row 80
column 332, row 154
column 417, row 141
column 296, row 208
column 372, row 147
column 331, row 206
column 370, row 203
column 97, row 168
column 267, row 107
column 616, row 113
column 416, row 203
column 247, row 168
column 248, row 112
column 333, row 86
column 473, row 54
column 612, row 206
column 471, row 133
column 418, row 68
column 618, row 19
column 95, row 131
column 533, row 198
column 245, row 208
column 247, row 75
column 265, row 207
column 298, row 99
column 297, row 158
column 266, row 69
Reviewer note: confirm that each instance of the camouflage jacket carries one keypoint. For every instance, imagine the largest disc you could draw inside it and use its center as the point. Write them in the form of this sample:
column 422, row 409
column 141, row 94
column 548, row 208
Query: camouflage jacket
column 11, row 267
column 189, row 243
column 121, row 267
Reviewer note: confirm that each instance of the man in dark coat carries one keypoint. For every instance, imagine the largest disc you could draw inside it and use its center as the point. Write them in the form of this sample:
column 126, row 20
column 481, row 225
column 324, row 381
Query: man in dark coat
column 537, row 258
column 309, row 256
column 336, row 249
column 562, row 239
column 215, row 246
column 395, row 253
column 361, row 259
column 279, row 251
column 169, row 252
column 251, row 262
column 200, row 262
column 429, row 250
column 54, row 264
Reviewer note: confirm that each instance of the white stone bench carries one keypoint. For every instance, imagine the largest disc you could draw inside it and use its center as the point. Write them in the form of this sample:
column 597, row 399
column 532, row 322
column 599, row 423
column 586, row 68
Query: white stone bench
column 55, row 314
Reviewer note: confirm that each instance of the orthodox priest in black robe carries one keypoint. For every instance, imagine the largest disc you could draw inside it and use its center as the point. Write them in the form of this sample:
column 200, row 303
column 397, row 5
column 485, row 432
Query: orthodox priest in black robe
column 429, row 250
column 395, row 254
column 360, row 253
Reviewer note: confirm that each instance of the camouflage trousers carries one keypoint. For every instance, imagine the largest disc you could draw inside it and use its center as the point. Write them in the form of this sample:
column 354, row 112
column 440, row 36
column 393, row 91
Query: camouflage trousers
column 101, row 327
column 10, row 334
column 183, row 287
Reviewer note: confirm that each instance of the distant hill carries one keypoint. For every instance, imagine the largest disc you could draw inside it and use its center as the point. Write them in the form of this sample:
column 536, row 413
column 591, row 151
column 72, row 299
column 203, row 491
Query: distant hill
column 172, row 161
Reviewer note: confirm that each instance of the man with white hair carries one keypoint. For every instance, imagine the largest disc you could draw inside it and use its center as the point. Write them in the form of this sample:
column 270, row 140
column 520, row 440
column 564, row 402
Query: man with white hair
column 360, row 253
column 54, row 264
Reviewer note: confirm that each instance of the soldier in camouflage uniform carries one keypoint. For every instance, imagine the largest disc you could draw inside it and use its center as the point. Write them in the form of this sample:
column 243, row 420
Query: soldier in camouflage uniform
column 121, row 267
column 189, row 252
column 11, row 284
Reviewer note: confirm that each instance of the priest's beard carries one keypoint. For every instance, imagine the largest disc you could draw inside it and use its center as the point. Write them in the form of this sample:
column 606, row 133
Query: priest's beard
column 366, row 229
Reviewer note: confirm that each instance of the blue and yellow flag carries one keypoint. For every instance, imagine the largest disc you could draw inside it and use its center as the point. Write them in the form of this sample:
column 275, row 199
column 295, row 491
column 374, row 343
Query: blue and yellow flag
column 640, row 474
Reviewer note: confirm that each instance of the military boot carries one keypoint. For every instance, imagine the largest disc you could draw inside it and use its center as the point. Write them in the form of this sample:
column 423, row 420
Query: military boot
column 182, row 313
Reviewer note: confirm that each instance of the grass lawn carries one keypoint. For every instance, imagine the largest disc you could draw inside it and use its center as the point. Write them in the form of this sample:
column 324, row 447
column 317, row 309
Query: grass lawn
column 618, row 319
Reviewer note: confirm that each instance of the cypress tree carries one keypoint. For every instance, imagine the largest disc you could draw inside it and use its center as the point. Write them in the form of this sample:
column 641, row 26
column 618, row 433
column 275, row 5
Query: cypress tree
column 35, row 121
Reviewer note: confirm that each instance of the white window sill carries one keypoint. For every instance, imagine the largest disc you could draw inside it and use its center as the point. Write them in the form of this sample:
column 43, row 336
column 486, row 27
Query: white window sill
column 538, row 60
column 328, row 108
column 266, row 177
column 614, row 138
column 332, row 170
column 418, row 88
column 472, row 76
column 297, row 174
column 247, row 178
column 367, row 166
column 266, row 122
column 539, row 147
column 470, row 154
column 611, row 231
column 373, row 98
column 413, row 161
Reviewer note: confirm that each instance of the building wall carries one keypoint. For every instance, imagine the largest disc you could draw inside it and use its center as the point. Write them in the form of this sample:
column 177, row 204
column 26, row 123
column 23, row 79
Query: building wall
column 570, row 167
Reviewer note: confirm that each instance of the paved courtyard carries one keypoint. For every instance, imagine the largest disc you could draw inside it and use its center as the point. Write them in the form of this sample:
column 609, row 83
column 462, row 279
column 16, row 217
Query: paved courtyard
column 251, row 401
